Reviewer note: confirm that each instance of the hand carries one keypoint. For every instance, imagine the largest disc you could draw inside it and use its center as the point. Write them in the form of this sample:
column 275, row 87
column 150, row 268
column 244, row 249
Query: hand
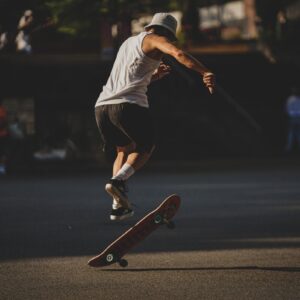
column 209, row 80
column 161, row 71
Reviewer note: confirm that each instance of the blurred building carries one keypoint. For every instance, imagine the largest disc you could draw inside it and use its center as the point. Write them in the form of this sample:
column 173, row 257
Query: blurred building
column 231, row 21
column 293, row 11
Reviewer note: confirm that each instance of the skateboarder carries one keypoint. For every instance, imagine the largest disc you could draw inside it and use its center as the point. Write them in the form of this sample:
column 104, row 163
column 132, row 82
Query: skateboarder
column 121, row 110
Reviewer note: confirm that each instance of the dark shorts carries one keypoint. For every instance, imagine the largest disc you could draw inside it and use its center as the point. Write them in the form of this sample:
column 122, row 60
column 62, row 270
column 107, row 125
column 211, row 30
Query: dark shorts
column 122, row 124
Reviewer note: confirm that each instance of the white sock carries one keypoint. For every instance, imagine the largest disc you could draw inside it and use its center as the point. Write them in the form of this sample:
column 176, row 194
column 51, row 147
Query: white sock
column 124, row 173
column 116, row 204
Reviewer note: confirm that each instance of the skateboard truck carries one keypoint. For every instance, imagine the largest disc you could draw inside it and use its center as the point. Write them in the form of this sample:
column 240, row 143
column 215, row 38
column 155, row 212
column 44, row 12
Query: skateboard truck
column 163, row 219
column 110, row 258
column 159, row 219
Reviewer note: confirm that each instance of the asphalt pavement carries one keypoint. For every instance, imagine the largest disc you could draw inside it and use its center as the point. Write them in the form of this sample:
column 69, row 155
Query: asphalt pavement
column 237, row 234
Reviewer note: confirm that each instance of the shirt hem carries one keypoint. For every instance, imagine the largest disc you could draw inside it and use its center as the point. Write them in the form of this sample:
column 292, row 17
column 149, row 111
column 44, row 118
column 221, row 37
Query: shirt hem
column 119, row 101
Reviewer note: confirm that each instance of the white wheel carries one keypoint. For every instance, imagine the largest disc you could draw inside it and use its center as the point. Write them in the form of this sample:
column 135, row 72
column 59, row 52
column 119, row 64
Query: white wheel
column 158, row 219
column 110, row 257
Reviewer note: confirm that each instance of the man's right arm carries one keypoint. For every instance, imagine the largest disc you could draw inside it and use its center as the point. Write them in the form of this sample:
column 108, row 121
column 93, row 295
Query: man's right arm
column 166, row 47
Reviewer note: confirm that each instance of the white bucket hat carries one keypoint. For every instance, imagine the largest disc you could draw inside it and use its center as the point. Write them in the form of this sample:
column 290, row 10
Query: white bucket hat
column 165, row 20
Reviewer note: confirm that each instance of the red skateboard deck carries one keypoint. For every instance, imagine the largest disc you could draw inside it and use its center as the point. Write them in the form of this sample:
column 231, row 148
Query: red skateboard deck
column 117, row 249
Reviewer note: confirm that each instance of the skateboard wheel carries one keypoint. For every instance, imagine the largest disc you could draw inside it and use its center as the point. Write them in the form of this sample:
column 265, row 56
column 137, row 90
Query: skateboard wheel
column 158, row 219
column 110, row 258
column 123, row 263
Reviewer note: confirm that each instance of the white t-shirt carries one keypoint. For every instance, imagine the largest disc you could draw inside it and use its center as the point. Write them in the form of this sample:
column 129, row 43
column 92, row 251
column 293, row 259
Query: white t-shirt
column 130, row 76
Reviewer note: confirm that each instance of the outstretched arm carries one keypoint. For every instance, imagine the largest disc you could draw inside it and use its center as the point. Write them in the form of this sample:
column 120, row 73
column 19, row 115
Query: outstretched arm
column 166, row 47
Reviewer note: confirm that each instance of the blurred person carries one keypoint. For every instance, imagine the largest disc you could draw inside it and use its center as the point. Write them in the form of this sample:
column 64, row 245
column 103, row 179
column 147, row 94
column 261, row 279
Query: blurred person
column 122, row 109
column 3, row 139
column 3, row 39
column 16, row 130
column 25, row 27
column 281, row 25
column 17, row 134
column 293, row 112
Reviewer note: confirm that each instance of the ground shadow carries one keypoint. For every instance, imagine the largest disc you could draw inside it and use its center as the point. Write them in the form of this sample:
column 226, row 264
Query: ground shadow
column 246, row 268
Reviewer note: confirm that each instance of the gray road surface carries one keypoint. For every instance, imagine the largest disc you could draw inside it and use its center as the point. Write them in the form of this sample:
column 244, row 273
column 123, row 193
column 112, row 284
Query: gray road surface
column 237, row 235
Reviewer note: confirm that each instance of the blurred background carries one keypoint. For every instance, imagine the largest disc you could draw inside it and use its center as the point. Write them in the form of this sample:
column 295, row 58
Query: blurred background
column 55, row 56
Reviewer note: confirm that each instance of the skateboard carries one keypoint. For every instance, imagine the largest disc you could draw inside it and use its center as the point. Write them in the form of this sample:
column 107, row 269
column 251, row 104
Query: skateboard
column 162, row 215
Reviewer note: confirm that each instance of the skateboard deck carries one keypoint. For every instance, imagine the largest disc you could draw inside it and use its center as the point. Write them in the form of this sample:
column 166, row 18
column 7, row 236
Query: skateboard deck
column 118, row 248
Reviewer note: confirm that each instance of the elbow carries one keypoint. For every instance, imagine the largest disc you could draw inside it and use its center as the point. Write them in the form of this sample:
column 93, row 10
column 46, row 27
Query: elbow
column 184, row 59
column 178, row 54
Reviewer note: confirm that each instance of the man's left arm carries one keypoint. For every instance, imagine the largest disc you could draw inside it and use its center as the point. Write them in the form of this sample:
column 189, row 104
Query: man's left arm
column 160, row 72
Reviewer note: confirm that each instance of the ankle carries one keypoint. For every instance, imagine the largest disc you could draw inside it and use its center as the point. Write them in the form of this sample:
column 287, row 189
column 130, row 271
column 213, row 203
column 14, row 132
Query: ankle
column 124, row 173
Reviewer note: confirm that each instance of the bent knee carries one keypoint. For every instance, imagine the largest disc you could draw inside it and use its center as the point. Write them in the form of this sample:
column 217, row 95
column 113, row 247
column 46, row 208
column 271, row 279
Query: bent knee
column 127, row 149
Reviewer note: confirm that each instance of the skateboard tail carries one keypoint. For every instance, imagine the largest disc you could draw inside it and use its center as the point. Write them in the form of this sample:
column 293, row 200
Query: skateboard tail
column 122, row 245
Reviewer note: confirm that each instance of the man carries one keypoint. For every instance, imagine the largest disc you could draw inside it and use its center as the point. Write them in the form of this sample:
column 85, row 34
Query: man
column 3, row 39
column 23, row 37
column 3, row 138
column 293, row 112
column 122, row 112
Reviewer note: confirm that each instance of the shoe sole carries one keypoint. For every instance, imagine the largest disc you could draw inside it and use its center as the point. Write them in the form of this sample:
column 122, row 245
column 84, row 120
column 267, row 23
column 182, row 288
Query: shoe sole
column 123, row 217
column 115, row 193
